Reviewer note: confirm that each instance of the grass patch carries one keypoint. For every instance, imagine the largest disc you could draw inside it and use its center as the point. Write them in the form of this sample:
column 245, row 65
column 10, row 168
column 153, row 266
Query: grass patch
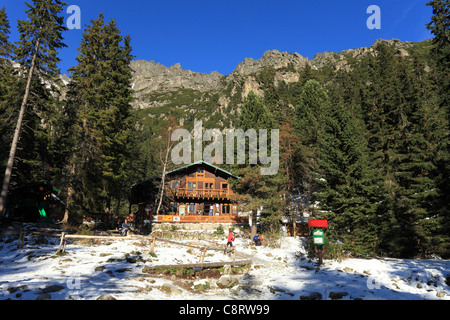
column 202, row 286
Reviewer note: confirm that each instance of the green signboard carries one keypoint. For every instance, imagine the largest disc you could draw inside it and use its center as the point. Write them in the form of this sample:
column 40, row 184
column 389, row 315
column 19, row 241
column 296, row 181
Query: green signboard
column 318, row 237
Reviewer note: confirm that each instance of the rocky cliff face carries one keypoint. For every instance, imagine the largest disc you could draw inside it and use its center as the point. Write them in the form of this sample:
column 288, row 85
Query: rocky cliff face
column 154, row 76
column 272, row 58
column 151, row 78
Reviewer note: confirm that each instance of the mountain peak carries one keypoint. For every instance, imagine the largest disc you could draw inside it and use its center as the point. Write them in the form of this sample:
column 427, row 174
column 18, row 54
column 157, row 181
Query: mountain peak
column 273, row 58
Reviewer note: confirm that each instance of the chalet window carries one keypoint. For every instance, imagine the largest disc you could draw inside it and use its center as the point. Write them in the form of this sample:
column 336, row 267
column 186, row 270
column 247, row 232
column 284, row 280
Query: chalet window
column 209, row 185
column 224, row 185
column 175, row 184
column 200, row 172
column 192, row 185
column 191, row 208
column 226, row 209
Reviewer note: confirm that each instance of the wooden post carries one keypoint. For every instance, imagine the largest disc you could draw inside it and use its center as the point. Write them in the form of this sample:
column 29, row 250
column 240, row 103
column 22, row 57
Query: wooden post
column 64, row 244
column 63, row 237
column 152, row 247
column 202, row 254
column 320, row 253
column 21, row 239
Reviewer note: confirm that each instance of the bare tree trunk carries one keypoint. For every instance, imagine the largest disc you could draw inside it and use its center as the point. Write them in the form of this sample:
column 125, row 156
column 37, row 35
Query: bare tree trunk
column 163, row 178
column 12, row 153
column 69, row 196
column 294, row 224
column 254, row 223
column 165, row 161
column 67, row 210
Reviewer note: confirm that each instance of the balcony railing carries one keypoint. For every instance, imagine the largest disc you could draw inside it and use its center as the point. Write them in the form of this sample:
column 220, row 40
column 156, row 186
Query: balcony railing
column 199, row 219
column 202, row 193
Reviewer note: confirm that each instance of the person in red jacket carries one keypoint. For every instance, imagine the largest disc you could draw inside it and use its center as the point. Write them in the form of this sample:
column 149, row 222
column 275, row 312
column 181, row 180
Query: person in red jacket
column 230, row 238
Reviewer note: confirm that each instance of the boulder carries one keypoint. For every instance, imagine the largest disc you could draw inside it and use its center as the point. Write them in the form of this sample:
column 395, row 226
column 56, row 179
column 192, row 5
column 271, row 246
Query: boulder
column 100, row 268
column 52, row 288
column 312, row 296
column 171, row 289
column 227, row 281
column 44, row 296
column 227, row 269
column 337, row 295
column 106, row 297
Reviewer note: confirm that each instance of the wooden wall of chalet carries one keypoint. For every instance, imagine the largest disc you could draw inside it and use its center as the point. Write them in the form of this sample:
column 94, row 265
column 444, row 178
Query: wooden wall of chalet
column 204, row 187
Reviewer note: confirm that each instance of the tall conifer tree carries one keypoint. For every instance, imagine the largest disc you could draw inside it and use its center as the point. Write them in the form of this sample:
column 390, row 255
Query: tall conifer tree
column 255, row 190
column 349, row 187
column 440, row 27
column 405, row 131
column 36, row 52
column 8, row 86
column 310, row 118
column 100, row 96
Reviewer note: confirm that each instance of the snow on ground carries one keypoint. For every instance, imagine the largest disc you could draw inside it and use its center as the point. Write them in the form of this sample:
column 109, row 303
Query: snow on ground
column 86, row 272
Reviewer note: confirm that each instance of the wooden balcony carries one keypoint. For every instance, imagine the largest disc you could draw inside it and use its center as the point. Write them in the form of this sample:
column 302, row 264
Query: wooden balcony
column 226, row 218
column 205, row 194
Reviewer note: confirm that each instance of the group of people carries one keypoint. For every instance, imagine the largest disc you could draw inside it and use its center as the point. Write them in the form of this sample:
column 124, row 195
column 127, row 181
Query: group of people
column 257, row 239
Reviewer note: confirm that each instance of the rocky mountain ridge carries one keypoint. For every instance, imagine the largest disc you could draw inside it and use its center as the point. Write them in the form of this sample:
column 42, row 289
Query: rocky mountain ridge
column 151, row 78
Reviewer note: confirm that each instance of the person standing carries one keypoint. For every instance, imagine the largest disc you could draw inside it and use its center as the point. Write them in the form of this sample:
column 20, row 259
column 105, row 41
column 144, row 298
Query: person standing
column 230, row 238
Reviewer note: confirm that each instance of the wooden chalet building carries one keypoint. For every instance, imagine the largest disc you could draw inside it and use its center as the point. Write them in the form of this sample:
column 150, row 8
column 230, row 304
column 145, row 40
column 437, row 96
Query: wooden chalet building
column 195, row 193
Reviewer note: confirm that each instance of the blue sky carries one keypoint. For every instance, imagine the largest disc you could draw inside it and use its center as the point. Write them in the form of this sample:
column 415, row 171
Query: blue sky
column 205, row 36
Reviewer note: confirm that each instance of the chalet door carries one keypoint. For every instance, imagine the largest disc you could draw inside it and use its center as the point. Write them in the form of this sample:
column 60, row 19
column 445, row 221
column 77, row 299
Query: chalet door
column 226, row 209
column 217, row 210
column 208, row 209
column 201, row 208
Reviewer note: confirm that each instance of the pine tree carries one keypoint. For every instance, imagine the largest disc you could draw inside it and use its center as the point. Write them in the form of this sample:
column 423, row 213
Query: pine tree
column 440, row 27
column 406, row 130
column 348, row 184
column 5, row 46
column 40, row 39
column 310, row 122
column 258, row 191
column 100, row 95
column 422, row 152
column 7, row 80
column 288, row 144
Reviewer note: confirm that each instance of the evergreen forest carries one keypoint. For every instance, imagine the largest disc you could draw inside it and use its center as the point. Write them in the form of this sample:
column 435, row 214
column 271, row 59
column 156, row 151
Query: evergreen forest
column 365, row 147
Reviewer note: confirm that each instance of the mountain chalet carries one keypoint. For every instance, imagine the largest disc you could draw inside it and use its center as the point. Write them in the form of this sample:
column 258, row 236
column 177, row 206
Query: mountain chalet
column 195, row 193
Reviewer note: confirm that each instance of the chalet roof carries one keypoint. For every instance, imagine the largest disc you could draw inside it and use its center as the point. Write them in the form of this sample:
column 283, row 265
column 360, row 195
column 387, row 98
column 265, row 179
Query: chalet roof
column 151, row 179
column 202, row 163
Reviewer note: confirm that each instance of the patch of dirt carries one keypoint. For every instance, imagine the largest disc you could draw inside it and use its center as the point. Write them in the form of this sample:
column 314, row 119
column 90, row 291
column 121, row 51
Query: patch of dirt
column 208, row 273
column 186, row 274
